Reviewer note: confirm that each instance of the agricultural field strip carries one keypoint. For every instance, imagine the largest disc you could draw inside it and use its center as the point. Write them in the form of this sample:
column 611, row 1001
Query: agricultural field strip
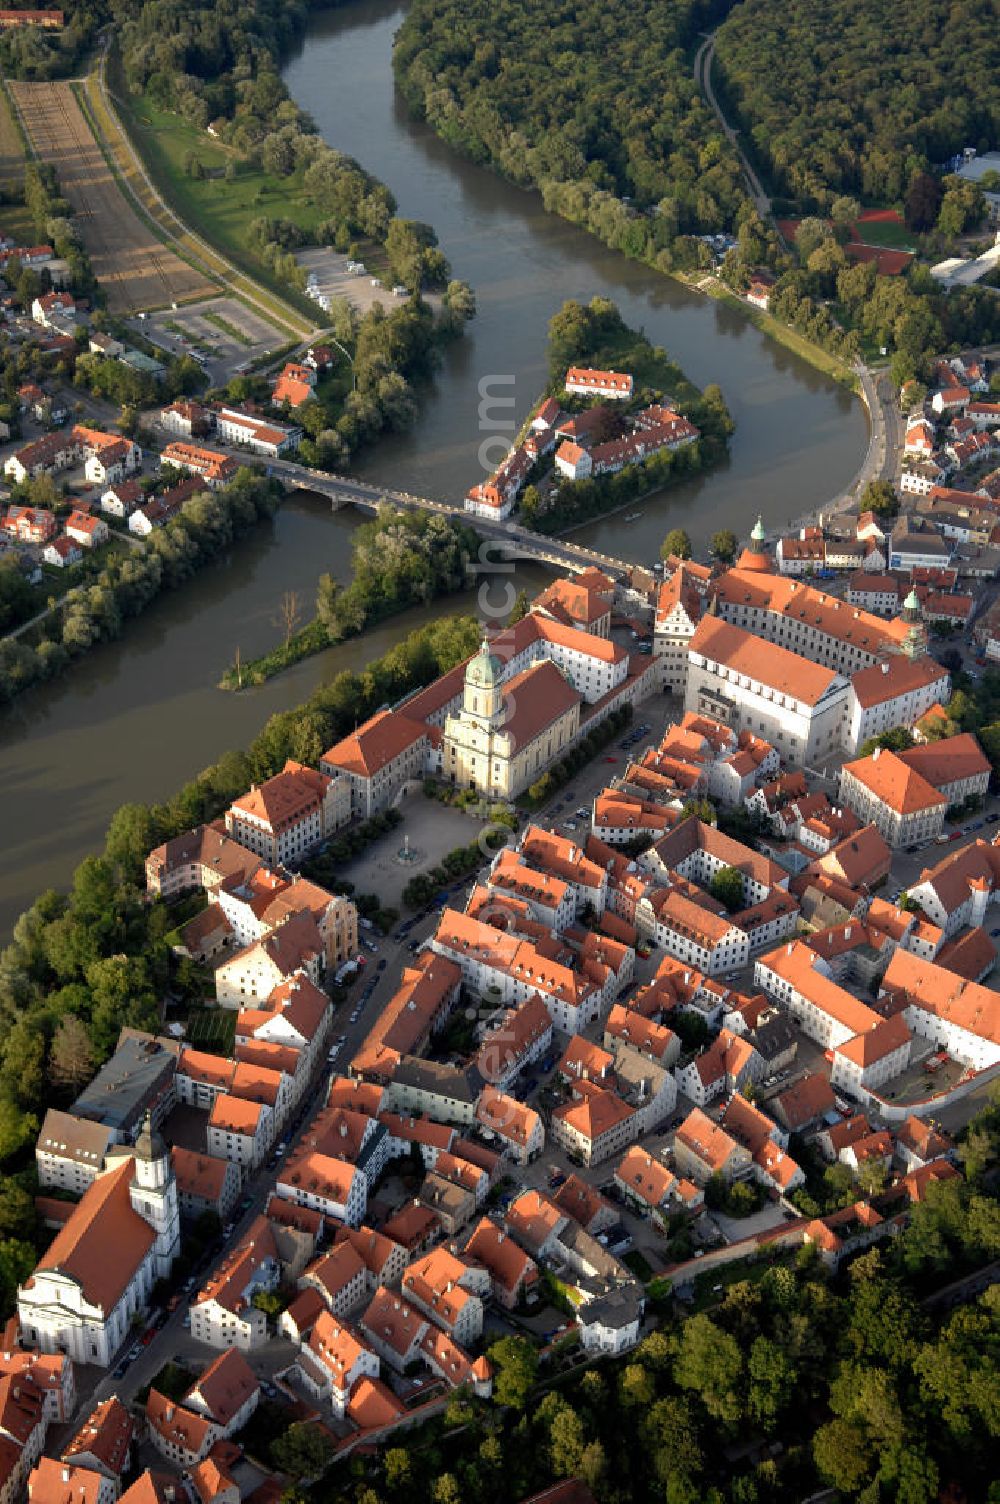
column 134, row 173
column 130, row 263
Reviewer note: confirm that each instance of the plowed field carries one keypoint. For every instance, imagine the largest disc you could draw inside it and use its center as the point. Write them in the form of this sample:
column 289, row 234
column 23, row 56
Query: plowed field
column 133, row 267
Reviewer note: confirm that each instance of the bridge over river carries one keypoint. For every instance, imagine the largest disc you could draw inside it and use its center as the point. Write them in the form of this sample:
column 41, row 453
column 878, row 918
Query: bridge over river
column 518, row 541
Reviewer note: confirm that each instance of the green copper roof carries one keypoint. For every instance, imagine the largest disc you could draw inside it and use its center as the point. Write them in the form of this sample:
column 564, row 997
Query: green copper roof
column 484, row 669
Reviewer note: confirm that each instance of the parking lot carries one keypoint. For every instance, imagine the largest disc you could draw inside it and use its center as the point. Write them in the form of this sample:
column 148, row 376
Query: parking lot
column 333, row 280
column 226, row 347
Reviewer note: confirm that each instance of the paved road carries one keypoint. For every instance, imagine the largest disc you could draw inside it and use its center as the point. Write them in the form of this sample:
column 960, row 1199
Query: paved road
column 512, row 540
column 703, row 78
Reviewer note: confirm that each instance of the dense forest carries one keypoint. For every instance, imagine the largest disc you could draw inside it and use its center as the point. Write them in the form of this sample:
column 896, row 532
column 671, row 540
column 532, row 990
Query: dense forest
column 589, row 103
column 840, row 97
column 848, row 308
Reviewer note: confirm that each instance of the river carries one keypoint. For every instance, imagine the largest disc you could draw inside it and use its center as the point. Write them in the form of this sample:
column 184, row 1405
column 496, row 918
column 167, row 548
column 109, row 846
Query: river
column 138, row 717
column 799, row 437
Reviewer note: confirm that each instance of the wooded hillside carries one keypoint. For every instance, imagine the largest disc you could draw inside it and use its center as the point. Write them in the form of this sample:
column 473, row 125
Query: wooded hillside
column 840, row 97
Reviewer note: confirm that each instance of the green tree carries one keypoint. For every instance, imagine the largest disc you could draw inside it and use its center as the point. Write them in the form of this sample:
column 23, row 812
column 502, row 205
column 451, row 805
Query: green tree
column 840, row 1451
column 515, row 1363
column 567, row 1441
column 709, row 1361
column 879, row 496
column 17, row 1128
column 22, row 1075
column 676, row 544
column 17, row 1210
column 131, row 835
column 724, row 545
column 17, row 1260
column 397, row 1469
column 727, row 887
column 773, row 1380
column 635, row 1386
column 303, row 1451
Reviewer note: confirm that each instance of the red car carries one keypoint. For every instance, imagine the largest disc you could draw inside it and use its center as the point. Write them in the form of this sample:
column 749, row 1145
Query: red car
column 148, row 1336
column 611, row 759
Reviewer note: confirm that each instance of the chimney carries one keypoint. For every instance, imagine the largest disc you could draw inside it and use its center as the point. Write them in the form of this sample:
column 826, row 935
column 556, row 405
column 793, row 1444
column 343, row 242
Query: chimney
column 876, row 753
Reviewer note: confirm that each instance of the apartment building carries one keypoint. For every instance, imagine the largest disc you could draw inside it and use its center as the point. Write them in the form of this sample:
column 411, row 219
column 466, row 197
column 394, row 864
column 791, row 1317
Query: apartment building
column 282, row 819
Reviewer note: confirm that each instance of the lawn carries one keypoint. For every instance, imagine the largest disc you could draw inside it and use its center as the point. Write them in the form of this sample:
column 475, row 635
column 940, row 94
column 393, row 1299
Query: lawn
column 639, row 1266
column 751, row 1269
column 221, row 208
column 212, row 1029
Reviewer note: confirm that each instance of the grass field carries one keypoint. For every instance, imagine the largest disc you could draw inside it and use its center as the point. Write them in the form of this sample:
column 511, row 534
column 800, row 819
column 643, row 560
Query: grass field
column 11, row 150
column 886, row 233
column 221, row 209
column 163, row 206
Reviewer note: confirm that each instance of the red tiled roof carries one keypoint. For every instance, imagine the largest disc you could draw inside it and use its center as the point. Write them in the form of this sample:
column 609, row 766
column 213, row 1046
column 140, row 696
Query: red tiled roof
column 104, row 1241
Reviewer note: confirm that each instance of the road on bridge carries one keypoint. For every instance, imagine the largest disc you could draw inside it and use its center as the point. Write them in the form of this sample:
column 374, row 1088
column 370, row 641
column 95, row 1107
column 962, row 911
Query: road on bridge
column 519, row 541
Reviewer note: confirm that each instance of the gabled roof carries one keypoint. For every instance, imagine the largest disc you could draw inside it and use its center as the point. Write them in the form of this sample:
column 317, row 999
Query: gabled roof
column 225, row 1386
column 901, row 788
column 966, row 1005
column 106, row 1435
column 103, row 1243
column 52, row 1482
column 383, row 737
column 807, row 1099
column 283, row 801
column 765, row 662
column 645, row 1176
